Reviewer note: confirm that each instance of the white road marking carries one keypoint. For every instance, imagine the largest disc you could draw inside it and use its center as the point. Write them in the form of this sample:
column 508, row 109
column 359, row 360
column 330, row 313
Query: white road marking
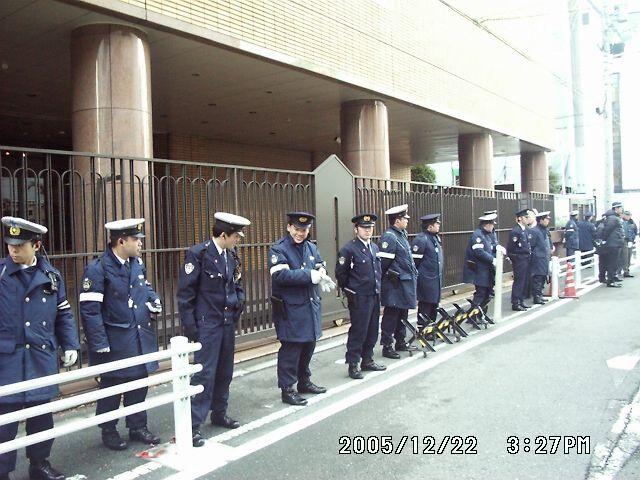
column 624, row 362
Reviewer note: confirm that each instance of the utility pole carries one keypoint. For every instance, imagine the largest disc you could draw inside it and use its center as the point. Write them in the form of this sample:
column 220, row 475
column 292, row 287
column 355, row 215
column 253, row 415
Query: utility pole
column 607, row 116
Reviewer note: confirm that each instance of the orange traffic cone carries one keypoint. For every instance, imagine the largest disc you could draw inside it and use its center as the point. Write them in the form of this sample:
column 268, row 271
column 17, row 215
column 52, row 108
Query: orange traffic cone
column 569, row 284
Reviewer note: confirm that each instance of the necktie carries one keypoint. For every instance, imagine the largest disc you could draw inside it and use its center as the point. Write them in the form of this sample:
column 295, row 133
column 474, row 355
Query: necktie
column 127, row 267
column 369, row 250
column 225, row 263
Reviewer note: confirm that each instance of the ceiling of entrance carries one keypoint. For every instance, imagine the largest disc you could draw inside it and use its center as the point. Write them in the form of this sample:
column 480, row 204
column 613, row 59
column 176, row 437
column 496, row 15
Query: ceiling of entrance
column 198, row 88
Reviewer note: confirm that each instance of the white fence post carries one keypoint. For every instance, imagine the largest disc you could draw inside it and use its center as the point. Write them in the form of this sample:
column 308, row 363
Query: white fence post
column 555, row 278
column 578, row 269
column 182, row 406
column 596, row 265
column 497, row 300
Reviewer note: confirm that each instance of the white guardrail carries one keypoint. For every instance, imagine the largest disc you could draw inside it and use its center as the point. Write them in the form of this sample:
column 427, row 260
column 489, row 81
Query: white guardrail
column 180, row 396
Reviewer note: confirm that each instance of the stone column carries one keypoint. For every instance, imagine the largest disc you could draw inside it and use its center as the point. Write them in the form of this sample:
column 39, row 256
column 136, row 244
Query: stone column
column 534, row 172
column 475, row 157
column 364, row 136
column 111, row 115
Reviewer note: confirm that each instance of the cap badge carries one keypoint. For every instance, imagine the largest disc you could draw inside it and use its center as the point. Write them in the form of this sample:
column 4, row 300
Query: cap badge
column 14, row 231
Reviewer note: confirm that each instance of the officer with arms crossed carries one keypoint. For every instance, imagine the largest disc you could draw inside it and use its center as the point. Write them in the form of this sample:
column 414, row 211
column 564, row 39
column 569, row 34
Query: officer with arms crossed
column 116, row 304
column 358, row 272
column 571, row 238
column 210, row 300
column 428, row 256
column 480, row 261
column 519, row 251
column 35, row 319
column 541, row 248
column 297, row 274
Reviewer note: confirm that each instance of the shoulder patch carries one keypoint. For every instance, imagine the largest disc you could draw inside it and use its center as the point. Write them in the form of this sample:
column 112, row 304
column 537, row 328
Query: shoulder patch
column 515, row 239
column 385, row 244
column 86, row 284
column 189, row 268
column 478, row 239
column 341, row 260
column 415, row 248
column 274, row 259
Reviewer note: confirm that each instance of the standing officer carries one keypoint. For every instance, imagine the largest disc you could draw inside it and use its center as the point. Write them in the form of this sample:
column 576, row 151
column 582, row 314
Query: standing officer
column 571, row 238
column 116, row 304
column 630, row 234
column 519, row 251
column 297, row 269
column 358, row 273
column 399, row 276
column 428, row 256
column 210, row 301
column 586, row 235
column 479, row 260
column 35, row 319
column 612, row 243
column 541, row 248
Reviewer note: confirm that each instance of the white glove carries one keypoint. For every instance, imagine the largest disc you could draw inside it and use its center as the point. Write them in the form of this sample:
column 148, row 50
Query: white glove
column 327, row 284
column 104, row 350
column 315, row 276
column 324, row 287
column 322, row 271
column 564, row 240
column 155, row 307
column 69, row 358
column 630, row 244
column 494, row 262
column 500, row 248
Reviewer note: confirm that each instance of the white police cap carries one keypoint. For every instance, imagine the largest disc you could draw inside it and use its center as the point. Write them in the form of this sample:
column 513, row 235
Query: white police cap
column 18, row 230
column 574, row 212
column 231, row 223
column 488, row 218
column 398, row 211
column 128, row 227
column 543, row 214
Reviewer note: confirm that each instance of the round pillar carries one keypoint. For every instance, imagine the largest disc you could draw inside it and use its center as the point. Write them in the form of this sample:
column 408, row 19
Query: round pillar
column 534, row 172
column 475, row 158
column 364, row 136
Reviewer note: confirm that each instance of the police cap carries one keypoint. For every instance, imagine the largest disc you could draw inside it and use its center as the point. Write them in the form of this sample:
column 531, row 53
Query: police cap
column 17, row 231
column 128, row 227
column 230, row 223
column 365, row 220
column 430, row 219
column 301, row 219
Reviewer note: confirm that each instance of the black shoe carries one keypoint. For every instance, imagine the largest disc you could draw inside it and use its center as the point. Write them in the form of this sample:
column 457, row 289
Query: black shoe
column 371, row 366
column 290, row 396
column 614, row 285
column 617, row 279
column 197, row 439
column 522, row 304
column 307, row 386
column 44, row 471
column 518, row 308
column 401, row 347
column 628, row 275
column 354, row 372
column 538, row 301
column 112, row 440
column 602, row 280
column 143, row 435
column 224, row 421
column 389, row 352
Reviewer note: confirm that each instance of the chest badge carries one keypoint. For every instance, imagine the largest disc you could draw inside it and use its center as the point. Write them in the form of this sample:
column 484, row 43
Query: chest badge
column 188, row 268
column 515, row 239
column 312, row 258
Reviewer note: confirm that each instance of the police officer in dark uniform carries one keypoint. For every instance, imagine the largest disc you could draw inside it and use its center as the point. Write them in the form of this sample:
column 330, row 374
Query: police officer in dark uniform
column 35, row 320
column 116, row 304
column 586, row 235
column 571, row 238
column 399, row 278
column 612, row 242
column 210, row 301
column 428, row 256
column 479, row 260
column 358, row 272
column 519, row 251
column 297, row 274
column 630, row 234
column 541, row 248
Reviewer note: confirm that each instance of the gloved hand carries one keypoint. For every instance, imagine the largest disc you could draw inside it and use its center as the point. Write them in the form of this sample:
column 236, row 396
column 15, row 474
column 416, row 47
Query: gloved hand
column 155, row 307
column 315, row 276
column 564, row 240
column 629, row 244
column 322, row 270
column 327, row 284
column 500, row 248
column 494, row 262
column 69, row 358
column 104, row 350
column 191, row 332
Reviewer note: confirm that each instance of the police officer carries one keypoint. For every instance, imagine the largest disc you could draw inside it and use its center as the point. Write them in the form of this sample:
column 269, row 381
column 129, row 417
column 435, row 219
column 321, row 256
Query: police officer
column 399, row 277
column 210, row 301
column 612, row 242
column 116, row 304
column 541, row 248
column 480, row 261
column 586, row 235
column 297, row 274
column 571, row 238
column 519, row 251
column 35, row 319
column 428, row 256
column 358, row 272
column 630, row 234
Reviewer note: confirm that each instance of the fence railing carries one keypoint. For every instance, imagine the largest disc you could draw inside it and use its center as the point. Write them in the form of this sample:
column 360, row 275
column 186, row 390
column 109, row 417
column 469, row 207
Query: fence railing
column 180, row 396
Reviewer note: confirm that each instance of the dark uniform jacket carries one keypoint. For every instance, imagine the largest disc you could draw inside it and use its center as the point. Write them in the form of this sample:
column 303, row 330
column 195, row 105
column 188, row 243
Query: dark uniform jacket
column 540, row 251
column 478, row 259
column 399, row 273
column 115, row 314
column 613, row 232
column 297, row 312
column 630, row 230
column 208, row 293
column 586, row 234
column 571, row 235
column 358, row 270
column 518, row 244
column 34, row 321
column 429, row 258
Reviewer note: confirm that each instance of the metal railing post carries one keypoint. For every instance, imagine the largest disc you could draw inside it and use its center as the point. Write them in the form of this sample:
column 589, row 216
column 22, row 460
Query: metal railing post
column 497, row 300
column 181, row 406
column 555, row 278
column 578, row 269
